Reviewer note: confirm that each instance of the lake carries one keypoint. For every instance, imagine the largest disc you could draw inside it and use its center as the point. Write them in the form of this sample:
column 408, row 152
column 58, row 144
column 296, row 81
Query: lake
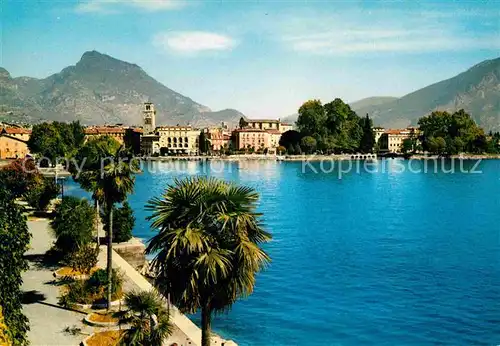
column 396, row 255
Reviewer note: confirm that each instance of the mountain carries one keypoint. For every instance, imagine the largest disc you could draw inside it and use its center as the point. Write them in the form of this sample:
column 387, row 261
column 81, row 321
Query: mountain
column 476, row 90
column 371, row 102
column 100, row 89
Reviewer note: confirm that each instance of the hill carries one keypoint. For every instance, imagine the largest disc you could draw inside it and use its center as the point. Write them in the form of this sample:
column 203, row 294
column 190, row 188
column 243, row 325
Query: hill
column 476, row 90
column 100, row 89
column 371, row 102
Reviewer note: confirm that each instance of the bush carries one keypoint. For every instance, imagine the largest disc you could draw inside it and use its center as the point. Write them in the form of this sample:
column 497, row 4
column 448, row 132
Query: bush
column 4, row 333
column 40, row 195
column 123, row 223
column 92, row 290
column 19, row 176
column 84, row 259
column 73, row 224
column 14, row 241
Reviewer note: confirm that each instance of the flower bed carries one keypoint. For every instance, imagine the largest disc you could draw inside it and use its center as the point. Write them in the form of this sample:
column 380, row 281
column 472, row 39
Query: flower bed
column 102, row 319
column 68, row 271
column 107, row 338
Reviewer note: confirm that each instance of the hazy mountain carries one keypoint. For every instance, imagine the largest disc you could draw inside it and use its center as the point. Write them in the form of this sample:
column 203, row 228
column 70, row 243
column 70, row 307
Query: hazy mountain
column 476, row 90
column 100, row 89
column 371, row 102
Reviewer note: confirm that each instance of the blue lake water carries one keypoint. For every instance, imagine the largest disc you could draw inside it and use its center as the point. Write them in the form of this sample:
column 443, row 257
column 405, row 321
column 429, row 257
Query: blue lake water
column 375, row 258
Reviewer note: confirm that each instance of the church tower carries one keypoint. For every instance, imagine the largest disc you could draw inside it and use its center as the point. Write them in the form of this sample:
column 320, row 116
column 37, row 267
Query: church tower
column 149, row 118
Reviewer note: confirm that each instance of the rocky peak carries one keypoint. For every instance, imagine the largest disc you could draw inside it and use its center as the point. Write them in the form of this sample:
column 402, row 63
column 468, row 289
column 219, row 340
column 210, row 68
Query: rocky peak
column 4, row 74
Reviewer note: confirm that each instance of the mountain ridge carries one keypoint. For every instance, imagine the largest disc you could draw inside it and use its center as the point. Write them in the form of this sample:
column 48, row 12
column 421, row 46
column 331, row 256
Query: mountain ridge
column 101, row 89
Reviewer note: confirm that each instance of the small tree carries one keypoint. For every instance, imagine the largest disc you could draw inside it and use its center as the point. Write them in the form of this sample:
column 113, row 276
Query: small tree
column 290, row 150
column 281, row 150
column 84, row 259
column 40, row 195
column 149, row 320
column 73, row 224
column 19, row 177
column 123, row 222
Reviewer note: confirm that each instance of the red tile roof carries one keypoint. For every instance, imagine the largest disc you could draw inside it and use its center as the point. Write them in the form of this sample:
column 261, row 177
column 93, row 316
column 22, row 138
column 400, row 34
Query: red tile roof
column 15, row 130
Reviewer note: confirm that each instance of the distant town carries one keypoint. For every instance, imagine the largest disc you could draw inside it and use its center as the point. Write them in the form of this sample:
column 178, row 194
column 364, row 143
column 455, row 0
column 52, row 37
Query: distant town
column 261, row 136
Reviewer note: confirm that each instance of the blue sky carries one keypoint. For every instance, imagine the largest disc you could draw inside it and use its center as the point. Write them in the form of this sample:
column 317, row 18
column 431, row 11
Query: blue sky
column 263, row 58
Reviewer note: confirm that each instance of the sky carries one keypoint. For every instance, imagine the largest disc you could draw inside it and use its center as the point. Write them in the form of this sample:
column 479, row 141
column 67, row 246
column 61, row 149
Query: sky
column 263, row 58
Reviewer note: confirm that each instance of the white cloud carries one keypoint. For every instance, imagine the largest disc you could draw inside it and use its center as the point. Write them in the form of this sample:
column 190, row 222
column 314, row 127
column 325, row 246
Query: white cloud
column 357, row 32
column 113, row 6
column 193, row 41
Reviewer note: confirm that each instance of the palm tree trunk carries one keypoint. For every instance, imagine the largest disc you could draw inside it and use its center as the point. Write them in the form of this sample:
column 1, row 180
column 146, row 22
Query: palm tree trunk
column 110, row 252
column 206, row 325
column 97, row 223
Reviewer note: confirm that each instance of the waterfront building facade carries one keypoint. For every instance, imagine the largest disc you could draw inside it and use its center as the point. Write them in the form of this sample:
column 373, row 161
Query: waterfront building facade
column 391, row 140
column 219, row 138
column 14, row 142
column 251, row 138
column 116, row 132
column 179, row 139
column 149, row 118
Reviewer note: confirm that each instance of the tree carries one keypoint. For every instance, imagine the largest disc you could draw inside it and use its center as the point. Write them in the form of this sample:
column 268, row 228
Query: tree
column 290, row 137
column 207, row 251
column 19, row 177
column 40, row 195
column 309, row 144
column 436, row 145
column 149, row 320
column 123, row 223
column 73, row 224
column 312, row 118
column 407, row 146
column 14, row 241
column 367, row 141
column 281, row 150
column 297, row 150
column 290, row 150
column 107, row 172
column 243, row 123
column 56, row 140
column 204, row 143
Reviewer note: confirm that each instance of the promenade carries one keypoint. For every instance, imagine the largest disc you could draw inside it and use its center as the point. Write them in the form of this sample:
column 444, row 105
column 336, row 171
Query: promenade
column 51, row 324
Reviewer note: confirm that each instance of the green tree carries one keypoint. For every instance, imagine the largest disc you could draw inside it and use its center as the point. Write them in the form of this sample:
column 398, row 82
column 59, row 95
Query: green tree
column 204, row 143
column 437, row 145
column 40, row 195
column 73, row 224
column 367, row 141
column 290, row 137
column 297, row 149
column 309, row 144
column 107, row 172
column 280, row 150
column 243, row 123
column 407, row 146
column 149, row 320
column 14, row 241
column 19, row 176
column 123, row 223
column 56, row 140
column 290, row 150
column 312, row 118
column 207, row 251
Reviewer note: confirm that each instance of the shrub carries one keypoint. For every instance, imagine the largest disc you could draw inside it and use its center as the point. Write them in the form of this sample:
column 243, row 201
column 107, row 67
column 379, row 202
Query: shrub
column 73, row 224
column 40, row 195
column 92, row 290
column 84, row 259
column 14, row 241
column 4, row 333
column 123, row 223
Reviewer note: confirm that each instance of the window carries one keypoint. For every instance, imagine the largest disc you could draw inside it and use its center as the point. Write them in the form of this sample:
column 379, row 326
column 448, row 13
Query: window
column 148, row 107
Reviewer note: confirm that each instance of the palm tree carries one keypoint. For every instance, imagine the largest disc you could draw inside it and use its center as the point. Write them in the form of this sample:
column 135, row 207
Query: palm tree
column 149, row 320
column 106, row 170
column 207, row 251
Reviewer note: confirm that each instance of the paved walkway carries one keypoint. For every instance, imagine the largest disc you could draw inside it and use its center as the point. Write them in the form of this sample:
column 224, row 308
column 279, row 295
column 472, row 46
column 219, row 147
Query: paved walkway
column 47, row 320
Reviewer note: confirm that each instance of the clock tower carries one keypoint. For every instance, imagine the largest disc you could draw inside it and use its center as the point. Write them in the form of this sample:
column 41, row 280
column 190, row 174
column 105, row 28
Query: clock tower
column 149, row 118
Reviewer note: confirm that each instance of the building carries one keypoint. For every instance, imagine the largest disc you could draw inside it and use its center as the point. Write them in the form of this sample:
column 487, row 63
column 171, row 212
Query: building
column 283, row 127
column 149, row 118
column 268, row 124
column 179, row 139
column 132, row 139
column 219, row 137
column 150, row 144
column 391, row 140
column 13, row 142
column 251, row 138
column 378, row 132
column 117, row 132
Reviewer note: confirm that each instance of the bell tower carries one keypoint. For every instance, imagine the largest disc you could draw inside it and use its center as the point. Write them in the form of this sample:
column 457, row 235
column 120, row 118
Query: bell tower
column 149, row 118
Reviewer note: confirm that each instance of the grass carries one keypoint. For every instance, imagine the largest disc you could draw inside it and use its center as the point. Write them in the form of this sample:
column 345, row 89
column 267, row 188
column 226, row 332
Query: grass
column 103, row 317
column 108, row 338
